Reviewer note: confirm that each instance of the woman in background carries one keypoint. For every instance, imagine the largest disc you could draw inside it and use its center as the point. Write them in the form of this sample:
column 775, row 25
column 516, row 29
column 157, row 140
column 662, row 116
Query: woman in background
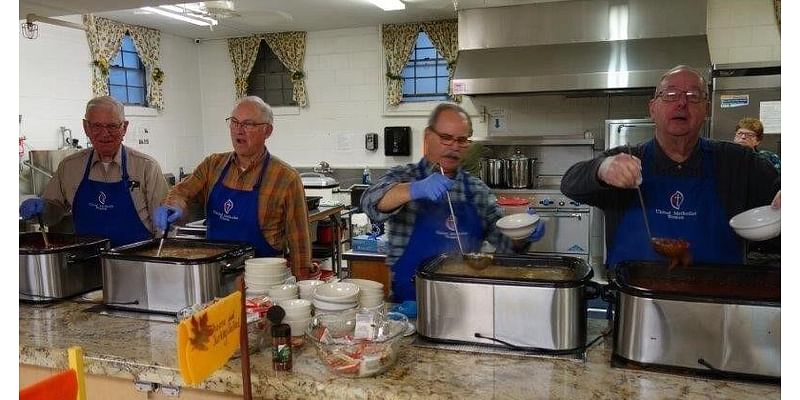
column 749, row 133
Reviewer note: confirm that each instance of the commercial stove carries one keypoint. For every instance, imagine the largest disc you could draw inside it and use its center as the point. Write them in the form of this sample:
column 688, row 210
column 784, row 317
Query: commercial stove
column 568, row 222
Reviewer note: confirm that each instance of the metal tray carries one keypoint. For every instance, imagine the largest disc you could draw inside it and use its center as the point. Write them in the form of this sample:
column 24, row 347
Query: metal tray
column 33, row 243
column 68, row 268
column 520, row 270
column 133, row 251
column 736, row 284
column 137, row 282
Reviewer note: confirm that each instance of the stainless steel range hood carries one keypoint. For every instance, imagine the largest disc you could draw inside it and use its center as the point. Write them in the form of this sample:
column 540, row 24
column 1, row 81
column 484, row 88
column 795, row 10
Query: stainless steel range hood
column 580, row 45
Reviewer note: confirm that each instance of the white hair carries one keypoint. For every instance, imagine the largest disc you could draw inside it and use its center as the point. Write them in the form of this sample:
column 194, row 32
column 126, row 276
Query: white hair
column 106, row 101
column 266, row 110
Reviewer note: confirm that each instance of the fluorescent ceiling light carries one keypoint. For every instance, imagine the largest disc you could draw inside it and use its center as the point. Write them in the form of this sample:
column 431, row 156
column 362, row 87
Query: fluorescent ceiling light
column 389, row 5
column 181, row 15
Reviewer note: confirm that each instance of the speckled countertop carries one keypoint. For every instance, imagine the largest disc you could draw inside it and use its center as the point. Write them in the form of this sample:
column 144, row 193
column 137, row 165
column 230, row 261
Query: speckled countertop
column 145, row 350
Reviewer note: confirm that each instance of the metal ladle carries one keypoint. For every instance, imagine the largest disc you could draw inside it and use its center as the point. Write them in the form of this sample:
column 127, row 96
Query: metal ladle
column 42, row 229
column 677, row 250
column 161, row 242
column 477, row 261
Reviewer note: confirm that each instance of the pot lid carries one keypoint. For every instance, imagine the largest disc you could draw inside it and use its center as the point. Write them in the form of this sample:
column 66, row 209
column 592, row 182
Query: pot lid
column 519, row 156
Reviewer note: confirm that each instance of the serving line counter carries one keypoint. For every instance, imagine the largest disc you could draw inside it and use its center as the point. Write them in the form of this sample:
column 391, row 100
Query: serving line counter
column 121, row 351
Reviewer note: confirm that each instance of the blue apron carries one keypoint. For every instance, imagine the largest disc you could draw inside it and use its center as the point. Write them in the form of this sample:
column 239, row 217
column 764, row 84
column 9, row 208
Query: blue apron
column 107, row 209
column 433, row 234
column 232, row 214
column 678, row 207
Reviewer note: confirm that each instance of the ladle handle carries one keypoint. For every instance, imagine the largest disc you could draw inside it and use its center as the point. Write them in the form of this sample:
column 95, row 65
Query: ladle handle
column 641, row 201
column 453, row 215
column 43, row 230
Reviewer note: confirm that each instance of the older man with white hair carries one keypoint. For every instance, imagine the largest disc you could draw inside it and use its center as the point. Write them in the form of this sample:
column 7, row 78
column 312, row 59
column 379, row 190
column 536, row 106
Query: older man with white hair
column 111, row 189
column 249, row 194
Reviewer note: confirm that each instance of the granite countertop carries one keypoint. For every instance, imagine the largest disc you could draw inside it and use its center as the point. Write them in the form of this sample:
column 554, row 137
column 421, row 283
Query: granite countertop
column 145, row 350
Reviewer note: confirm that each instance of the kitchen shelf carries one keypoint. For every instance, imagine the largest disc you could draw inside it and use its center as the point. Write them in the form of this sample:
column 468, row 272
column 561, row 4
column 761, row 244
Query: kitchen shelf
column 535, row 141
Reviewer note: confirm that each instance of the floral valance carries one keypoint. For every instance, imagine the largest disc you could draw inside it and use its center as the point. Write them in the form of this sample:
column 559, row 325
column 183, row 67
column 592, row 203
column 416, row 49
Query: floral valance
column 105, row 38
column 289, row 47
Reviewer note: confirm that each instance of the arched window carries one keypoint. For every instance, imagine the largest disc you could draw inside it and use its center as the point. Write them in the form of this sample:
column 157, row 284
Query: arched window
column 270, row 79
column 425, row 75
column 126, row 78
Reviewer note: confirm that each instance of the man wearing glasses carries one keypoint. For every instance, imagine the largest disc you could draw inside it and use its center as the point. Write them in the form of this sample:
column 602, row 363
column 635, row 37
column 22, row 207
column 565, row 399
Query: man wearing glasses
column 249, row 194
column 413, row 199
column 691, row 186
column 111, row 189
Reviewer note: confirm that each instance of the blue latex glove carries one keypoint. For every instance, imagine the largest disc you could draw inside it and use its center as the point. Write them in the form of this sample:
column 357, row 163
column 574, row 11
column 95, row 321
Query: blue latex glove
column 538, row 232
column 31, row 208
column 432, row 188
column 166, row 215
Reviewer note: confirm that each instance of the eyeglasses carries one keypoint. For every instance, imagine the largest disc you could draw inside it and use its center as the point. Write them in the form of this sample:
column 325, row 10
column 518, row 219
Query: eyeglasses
column 747, row 135
column 106, row 127
column 249, row 127
column 448, row 140
column 692, row 96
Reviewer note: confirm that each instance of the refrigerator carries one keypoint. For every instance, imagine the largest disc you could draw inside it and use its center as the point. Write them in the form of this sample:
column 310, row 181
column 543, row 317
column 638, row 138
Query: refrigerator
column 747, row 90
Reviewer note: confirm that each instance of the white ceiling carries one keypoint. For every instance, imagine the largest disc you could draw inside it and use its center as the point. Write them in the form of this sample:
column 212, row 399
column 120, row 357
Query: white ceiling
column 263, row 15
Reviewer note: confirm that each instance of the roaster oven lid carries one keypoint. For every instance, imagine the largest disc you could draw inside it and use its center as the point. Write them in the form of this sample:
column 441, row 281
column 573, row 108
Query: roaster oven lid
column 180, row 251
column 739, row 284
column 33, row 243
column 522, row 270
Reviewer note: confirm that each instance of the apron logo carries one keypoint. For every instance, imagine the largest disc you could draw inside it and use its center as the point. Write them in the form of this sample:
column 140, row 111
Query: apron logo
column 102, row 198
column 676, row 200
column 228, row 206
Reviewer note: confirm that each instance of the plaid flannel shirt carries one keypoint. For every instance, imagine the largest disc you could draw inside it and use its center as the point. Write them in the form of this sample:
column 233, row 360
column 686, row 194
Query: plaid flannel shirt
column 282, row 210
column 401, row 221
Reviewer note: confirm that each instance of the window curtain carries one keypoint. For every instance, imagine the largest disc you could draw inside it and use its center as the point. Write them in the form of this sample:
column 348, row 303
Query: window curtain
column 777, row 5
column 105, row 39
column 147, row 42
column 243, row 52
column 290, row 48
column 444, row 35
column 398, row 40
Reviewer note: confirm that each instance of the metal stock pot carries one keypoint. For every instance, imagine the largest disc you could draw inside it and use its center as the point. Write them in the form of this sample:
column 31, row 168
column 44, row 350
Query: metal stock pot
column 495, row 171
column 518, row 173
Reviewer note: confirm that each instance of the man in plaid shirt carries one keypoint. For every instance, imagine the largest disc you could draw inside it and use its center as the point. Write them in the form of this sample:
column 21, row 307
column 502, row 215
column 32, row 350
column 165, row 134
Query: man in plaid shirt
column 249, row 194
column 413, row 199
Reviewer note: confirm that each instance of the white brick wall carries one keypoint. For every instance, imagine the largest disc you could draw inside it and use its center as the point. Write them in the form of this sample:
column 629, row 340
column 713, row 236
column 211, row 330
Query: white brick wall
column 344, row 78
column 54, row 87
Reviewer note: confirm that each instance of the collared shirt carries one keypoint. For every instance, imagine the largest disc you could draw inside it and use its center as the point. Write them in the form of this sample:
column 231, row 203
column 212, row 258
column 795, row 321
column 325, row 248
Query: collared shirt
column 282, row 211
column 401, row 220
column 744, row 180
column 148, row 185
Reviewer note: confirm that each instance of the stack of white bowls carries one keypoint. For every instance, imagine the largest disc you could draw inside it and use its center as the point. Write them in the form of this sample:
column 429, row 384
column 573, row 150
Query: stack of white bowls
column 307, row 288
column 261, row 274
column 298, row 315
column 371, row 293
column 282, row 292
column 335, row 297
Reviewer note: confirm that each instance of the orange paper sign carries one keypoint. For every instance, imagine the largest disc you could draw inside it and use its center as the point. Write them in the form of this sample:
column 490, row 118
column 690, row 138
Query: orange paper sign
column 208, row 338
